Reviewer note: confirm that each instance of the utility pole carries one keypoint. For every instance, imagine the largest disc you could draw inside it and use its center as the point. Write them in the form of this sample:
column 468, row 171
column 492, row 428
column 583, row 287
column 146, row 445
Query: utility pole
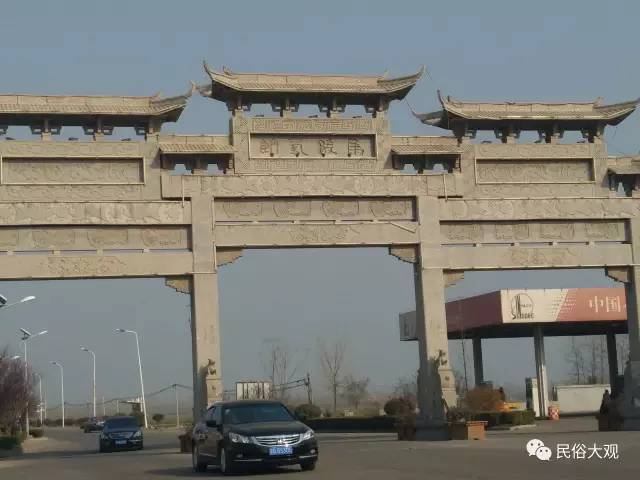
column 117, row 406
column 175, row 388
column 104, row 408
column 308, row 384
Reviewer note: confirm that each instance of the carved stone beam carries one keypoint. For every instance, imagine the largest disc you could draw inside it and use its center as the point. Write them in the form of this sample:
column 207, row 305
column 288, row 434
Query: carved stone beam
column 179, row 284
column 227, row 255
column 407, row 254
column 620, row 274
column 451, row 277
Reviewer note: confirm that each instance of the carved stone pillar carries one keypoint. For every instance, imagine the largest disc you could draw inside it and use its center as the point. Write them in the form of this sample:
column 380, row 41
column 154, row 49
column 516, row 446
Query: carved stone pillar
column 436, row 386
column 205, row 320
column 631, row 408
column 629, row 404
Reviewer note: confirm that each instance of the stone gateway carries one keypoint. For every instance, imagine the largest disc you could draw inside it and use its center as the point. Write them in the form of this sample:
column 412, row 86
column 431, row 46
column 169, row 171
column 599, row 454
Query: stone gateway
column 95, row 208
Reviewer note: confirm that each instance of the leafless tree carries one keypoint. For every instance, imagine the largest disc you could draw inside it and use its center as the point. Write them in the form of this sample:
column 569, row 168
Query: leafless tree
column 407, row 388
column 575, row 357
column 15, row 392
column 332, row 357
column 622, row 344
column 281, row 366
column 355, row 390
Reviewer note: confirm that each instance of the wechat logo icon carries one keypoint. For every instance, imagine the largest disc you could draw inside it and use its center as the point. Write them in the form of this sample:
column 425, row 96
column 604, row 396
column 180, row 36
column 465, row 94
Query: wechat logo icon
column 536, row 447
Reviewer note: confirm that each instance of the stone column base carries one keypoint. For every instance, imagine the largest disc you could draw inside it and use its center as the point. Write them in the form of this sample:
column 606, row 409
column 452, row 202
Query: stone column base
column 631, row 424
column 431, row 432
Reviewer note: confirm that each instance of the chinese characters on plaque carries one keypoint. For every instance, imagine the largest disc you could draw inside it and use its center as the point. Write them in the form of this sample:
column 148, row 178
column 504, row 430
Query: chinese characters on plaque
column 339, row 146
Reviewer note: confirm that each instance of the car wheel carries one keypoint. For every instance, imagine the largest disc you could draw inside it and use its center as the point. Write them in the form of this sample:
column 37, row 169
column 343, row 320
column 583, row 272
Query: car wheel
column 198, row 464
column 308, row 466
column 226, row 467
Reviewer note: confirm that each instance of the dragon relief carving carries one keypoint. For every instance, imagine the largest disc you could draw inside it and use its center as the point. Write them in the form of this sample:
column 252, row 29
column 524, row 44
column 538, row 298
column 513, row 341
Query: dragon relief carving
column 82, row 266
column 292, row 208
column 162, row 237
column 312, row 234
column 337, row 208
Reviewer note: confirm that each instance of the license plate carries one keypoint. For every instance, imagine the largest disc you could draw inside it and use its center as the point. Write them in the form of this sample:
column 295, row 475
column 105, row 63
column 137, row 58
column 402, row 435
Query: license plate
column 280, row 450
column 121, row 442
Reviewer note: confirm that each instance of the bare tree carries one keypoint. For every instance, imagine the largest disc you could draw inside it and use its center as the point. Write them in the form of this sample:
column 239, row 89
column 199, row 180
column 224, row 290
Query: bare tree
column 280, row 365
column 622, row 344
column 355, row 390
column 575, row 357
column 15, row 392
column 332, row 360
column 407, row 388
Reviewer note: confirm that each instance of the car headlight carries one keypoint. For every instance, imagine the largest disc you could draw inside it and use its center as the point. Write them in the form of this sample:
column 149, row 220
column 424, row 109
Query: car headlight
column 237, row 438
column 138, row 434
column 308, row 435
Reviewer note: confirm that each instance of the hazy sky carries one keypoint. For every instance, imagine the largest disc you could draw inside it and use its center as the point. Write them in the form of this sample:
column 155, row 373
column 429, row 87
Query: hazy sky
column 496, row 51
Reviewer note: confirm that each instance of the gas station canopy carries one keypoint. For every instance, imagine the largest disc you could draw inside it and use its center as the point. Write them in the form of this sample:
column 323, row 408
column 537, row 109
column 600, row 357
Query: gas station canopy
column 515, row 313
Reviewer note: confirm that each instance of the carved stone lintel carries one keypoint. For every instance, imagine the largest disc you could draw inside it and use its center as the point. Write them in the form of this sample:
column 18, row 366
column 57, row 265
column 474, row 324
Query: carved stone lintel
column 179, row 284
column 452, row 277
column 407, row 254
column 620, row 274
column 228, row 255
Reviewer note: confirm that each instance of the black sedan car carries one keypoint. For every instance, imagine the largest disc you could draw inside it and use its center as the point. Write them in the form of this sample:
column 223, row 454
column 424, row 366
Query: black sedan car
column 94, row 424
column 248, row 432
column 121, row 433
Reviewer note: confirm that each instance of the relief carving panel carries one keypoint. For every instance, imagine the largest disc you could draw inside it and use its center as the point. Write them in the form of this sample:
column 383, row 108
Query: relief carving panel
column 108, row 237
column 72, row 171
column 279, row 209
column 544, row 208
column 534, row 231
column 533, row 150
column 534, row 171
column 311, row 125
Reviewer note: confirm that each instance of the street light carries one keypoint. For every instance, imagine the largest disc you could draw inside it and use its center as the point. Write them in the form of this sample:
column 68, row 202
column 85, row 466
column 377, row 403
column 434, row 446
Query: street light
column 4, row 304
column 40, row 390
column 144, row 406
column 26, row 336
column 61, row 388
column 85, row 349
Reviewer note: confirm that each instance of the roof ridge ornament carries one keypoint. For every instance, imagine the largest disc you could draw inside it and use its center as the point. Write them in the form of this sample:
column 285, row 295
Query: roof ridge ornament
column 281, row 89
column 538, row 116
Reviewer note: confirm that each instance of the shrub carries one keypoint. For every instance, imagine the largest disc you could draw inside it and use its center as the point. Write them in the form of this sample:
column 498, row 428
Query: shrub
column 308, row 411
column 353, row 424
column 398, row 406
column 158, row 417
column 139, row 418
column 483, row 399
column 36, row 432
column 9, row 442
column 516, row 417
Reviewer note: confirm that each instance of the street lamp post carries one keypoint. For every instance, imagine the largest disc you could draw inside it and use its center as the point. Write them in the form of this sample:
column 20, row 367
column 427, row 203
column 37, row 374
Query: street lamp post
column 26, row 336
column 4, row 304
column 59, row 365
column 40, row 393
column 144, row 406
column 94, row 377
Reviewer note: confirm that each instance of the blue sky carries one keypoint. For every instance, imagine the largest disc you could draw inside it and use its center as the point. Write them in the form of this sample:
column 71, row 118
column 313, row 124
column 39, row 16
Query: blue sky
column 493, row 51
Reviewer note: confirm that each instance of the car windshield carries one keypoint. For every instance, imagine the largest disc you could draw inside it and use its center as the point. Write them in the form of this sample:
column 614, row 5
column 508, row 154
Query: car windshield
column 115, row 423
column 254, row 413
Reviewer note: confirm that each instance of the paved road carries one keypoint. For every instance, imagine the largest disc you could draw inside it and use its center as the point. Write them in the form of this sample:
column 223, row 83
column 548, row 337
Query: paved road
column 71, row 455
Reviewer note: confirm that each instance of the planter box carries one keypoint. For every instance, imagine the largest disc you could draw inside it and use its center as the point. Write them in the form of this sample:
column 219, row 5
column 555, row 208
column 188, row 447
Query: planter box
column 185, row 442
column 607, row 423
column 406, row 432
column 474, row 430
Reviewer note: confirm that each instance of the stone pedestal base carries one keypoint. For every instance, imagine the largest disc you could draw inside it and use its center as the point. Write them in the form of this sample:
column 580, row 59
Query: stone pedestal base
column 432, row 433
